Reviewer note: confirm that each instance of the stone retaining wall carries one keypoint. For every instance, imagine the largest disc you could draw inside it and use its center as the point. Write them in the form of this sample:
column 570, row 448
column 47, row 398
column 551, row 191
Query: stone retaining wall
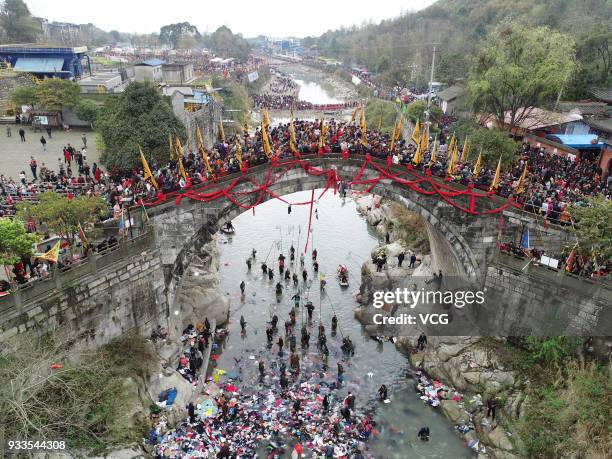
column 97, row 305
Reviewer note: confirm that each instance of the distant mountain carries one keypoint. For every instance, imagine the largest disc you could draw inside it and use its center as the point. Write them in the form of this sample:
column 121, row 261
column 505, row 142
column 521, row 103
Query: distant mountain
column 396, row 48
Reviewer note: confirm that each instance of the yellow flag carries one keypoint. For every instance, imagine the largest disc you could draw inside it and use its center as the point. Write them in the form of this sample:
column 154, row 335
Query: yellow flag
column 264, row 141
column 265, row 118
column 393, row 136
column 416, row 133
column 400, row 125
column 418, row 156
column 52, row 255
column 424, row 141
column 179, row 148
column 146, row 171
column 451, row 144
column 292, row 142
column 245, row 127
column 497, row 177
column 380, row 120
column 201, row 149
column 451, row 163
column 433, row 153
column 477, row 166
column 520, row 186
column 464, row 153
column 322, row 131
column 181, row 168
column 179, row 158
column 238, row 153
column 221, row 132
column 171, row 147
column 354, row 115
column 364, row 130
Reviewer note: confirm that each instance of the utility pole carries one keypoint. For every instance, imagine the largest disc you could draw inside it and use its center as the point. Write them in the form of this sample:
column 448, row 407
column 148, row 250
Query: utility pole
column 428, row 111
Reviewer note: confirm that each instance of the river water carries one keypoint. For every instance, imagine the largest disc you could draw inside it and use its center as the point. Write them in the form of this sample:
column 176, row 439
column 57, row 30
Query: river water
column 340, row 235
column 313, row 92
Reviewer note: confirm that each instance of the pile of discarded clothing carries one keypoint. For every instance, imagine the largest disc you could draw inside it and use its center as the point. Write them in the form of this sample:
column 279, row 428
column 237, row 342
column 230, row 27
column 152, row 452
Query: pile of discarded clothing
column 262, row 418
column 433, row 392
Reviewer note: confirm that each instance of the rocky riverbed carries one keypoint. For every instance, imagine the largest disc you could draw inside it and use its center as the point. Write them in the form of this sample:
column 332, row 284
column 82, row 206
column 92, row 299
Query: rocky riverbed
column 464, row 363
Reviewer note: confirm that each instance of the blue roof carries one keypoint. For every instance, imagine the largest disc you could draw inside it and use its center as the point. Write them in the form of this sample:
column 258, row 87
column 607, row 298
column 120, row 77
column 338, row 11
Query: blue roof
column 39, row 64
column 199, row 97
column 577, row 141
column 152, row 62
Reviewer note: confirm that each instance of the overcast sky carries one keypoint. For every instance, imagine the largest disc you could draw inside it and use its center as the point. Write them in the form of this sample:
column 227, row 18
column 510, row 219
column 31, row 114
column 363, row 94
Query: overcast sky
column 278, row 18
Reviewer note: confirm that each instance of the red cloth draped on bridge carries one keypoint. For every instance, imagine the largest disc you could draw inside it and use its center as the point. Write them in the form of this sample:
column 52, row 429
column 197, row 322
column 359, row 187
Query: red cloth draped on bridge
column 410, row 178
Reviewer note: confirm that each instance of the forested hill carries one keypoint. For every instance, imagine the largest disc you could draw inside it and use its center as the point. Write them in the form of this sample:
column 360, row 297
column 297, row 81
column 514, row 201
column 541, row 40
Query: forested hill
column 394, row 48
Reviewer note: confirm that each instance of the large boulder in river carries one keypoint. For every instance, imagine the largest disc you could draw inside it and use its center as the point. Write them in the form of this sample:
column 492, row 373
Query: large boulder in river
column 168, row 378
column 375, row 216
column 199, row 295
column 454, row 412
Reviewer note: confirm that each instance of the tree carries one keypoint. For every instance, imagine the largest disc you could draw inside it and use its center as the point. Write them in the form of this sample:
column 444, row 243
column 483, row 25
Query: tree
column 520, row 68
column 62, row 215
column 593, row 226
column 416, row 110
column 50, row 94
column 137, row 117
column 452, row 67
column 87, row 110
column 493, row 143
column 236, row 101
column 186, row 41
column 25, row 95
column 223, row 42
column 373, row 110
column 15, row 242
column 55, row 93
column 17, row 24
column 171, row 34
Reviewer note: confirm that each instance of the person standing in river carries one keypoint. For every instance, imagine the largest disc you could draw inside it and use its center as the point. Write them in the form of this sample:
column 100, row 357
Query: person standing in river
column 242, row 287
column 383, row 393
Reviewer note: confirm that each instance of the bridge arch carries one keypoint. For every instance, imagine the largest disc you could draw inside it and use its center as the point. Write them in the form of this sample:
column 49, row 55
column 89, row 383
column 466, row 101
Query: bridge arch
column 461, row 243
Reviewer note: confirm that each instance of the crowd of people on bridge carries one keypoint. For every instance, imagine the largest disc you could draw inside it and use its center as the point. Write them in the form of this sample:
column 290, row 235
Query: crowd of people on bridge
column 554, row 182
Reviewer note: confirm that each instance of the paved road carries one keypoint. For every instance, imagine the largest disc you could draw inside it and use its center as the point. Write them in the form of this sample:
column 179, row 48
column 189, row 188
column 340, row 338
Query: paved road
column 15, row 155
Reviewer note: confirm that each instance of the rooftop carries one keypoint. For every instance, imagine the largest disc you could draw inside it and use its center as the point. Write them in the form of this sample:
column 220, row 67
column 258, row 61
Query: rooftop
column 152, row 62
column 538, row 118
column 99, row 78
column 452, row 92
column 604, row 94
column 579, row 142
column 39, row 65
column 601, row 124
column 584, row 107
column 38, row 47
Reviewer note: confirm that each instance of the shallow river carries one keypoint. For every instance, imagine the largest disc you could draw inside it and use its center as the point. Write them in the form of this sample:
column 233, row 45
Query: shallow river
column 340, row 235
column 313, row 92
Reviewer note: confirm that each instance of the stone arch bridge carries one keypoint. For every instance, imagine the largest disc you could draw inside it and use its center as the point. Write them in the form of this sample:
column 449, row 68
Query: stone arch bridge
column 462, row 244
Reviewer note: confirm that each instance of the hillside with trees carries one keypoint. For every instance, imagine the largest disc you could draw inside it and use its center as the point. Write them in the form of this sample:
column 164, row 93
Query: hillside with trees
column 398, row 49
